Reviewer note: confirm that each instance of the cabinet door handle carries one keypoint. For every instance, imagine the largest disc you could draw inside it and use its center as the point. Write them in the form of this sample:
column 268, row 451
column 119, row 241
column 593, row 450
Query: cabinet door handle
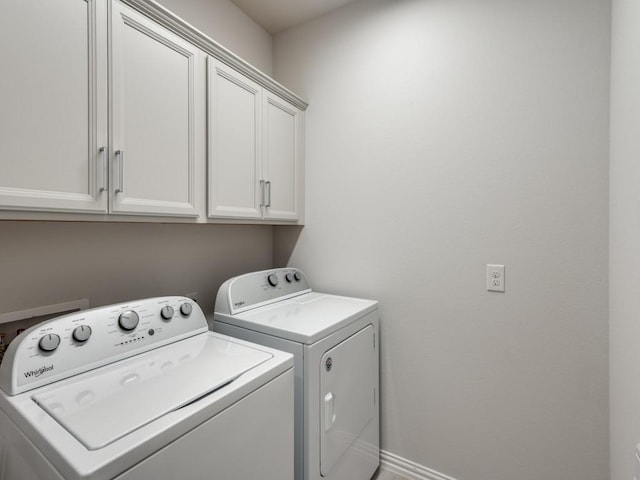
column 120, row 155
column 268, row 204
column 103, row 168
column 261, row 193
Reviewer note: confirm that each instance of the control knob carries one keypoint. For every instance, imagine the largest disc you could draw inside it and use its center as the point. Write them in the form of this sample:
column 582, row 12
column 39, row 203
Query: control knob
column 167, row 312
column 272, row 279
column 128, row 320
column 186, row 309
column 82, row 333
column 297, row 276
column 288, row 277
column 49, row 342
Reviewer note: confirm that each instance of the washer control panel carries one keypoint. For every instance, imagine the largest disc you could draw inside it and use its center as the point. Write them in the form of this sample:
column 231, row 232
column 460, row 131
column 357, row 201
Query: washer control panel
column 71, row 344
column 256, row 289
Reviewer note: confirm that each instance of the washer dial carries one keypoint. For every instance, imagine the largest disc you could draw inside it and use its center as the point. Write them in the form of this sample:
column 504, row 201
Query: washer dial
column 128, row 320
column 49, row 342
column 272, row 279
column 82, row 333
column 167, row 312
column 186, row 309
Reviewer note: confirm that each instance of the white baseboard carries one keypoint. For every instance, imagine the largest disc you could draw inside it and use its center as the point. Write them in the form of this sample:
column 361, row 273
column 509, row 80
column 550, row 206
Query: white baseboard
column 412, row 471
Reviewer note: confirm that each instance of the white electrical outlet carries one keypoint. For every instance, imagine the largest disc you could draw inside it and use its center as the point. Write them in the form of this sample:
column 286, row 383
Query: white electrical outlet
column 495, row 278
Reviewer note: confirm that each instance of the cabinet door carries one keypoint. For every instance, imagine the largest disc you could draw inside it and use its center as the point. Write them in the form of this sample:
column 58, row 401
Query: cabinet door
column 282, row 158
column 53, row 105
column 157, row 79
column 234, row 139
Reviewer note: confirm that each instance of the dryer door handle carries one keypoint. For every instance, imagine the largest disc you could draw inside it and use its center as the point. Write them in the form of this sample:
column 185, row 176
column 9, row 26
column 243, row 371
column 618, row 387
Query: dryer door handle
column 329, row 411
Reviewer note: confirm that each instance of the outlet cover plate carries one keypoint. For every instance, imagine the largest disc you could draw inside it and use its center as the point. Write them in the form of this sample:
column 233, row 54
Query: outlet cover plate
column 495, row 278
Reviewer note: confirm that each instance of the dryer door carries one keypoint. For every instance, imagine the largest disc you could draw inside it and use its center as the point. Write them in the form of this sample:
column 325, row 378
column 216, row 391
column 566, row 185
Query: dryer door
column 347, row 397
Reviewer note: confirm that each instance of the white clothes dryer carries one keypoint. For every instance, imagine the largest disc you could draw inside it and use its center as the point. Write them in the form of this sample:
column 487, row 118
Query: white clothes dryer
column 143, row 391
column 334, row 341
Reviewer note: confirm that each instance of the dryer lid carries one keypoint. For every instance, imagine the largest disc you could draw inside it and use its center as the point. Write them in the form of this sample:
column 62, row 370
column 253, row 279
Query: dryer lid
column 106, row 404
column 305, row 319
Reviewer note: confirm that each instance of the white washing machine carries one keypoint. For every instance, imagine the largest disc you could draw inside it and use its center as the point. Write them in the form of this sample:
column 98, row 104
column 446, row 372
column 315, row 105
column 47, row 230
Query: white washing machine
column 143, row 391
column 334, row 341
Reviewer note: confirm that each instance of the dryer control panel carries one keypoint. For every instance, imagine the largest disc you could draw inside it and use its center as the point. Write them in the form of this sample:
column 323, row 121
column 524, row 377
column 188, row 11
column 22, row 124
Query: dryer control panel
column 71, row 344
column 257, row 289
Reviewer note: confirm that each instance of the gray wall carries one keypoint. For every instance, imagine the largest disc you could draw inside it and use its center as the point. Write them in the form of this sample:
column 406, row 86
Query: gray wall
column 43, row 263
column 624, row 288
column 228, row 25
column 444, row 135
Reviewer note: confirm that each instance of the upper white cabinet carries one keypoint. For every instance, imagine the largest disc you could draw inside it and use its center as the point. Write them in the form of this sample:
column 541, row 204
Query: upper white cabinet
column 104, row 108
column 282, row 162
column 53, row 105
column 157, row 79
column 57, row 154
column 255, row 149
column 235, row 156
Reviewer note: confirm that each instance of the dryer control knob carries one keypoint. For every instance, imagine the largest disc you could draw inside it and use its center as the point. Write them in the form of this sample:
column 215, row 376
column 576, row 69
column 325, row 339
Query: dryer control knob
column 49, row 342
column 297, row 276
column 167, row 312
column 186, row 309
column 272, row 279
column 82, row 333
column 288, row 277
column 128, row 320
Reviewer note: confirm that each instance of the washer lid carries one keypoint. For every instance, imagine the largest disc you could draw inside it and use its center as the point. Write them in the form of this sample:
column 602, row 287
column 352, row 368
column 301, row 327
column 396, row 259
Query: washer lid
column 110, row 402
column 306, row 318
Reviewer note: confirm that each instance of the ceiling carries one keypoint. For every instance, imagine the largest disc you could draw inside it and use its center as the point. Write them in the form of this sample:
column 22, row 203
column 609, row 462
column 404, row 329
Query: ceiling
column 278, row 15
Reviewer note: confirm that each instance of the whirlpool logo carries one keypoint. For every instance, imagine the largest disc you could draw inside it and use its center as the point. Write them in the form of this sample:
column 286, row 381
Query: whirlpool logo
column 38, row 372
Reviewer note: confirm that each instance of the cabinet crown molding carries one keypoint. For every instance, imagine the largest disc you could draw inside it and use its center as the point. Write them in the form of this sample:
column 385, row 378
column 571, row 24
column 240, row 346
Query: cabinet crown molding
column 169, row 20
